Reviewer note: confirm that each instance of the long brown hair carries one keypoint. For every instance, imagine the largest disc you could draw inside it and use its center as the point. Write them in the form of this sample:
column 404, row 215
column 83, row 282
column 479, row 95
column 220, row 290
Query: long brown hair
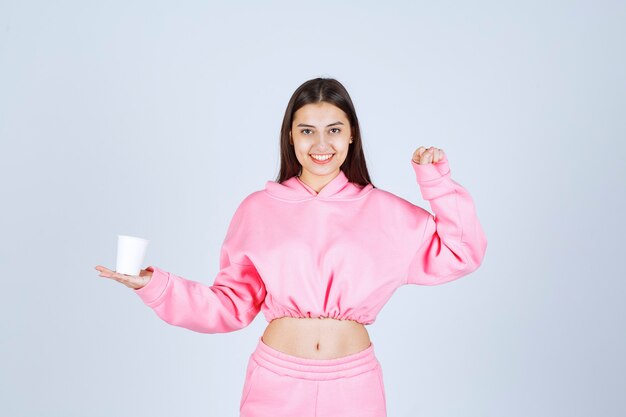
column 330, row 91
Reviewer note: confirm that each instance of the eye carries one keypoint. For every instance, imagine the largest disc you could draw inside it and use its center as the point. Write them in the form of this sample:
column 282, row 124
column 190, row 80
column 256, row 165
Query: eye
column 336, row 128
column 302, row 131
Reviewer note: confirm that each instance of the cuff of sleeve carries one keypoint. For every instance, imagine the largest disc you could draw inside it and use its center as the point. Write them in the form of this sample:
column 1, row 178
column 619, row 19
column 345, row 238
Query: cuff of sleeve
column 150, row 292
column 425, row 173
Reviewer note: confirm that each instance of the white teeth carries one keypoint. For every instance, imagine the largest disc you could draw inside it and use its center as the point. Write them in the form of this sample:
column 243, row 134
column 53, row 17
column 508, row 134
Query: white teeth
column 321, row 157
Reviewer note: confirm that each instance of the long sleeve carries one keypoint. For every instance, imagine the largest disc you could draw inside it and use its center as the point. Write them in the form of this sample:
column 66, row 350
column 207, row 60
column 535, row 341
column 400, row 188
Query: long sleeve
column 230, row 304
column 453, row 242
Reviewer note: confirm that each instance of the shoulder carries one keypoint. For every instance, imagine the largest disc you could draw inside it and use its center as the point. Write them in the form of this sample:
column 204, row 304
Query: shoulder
column 252, row 209
column 389, row 199
column 393, row 205
column 248, row 205
column 243, row 218
column 252, row 200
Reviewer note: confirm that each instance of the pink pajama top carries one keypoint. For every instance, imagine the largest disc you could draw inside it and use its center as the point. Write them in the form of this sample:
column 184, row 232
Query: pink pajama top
column 340, row 253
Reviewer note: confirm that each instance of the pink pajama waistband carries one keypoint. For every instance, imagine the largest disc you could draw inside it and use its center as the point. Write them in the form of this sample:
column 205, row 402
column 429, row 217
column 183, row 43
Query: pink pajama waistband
column 316, row 369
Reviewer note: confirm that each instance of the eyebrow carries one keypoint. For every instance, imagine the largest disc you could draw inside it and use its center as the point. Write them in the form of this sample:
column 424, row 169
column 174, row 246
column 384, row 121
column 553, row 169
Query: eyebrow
column 332, row 124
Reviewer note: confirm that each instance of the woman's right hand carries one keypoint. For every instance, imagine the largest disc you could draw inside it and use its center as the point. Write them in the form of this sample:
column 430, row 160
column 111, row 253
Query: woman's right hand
column 131, row 281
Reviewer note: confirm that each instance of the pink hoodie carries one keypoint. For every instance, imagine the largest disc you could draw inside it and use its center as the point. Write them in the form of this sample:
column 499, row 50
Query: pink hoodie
column 339, row 253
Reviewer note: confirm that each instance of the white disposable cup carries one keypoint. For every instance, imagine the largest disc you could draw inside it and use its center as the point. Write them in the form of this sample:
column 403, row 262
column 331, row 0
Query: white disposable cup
column 131, row 252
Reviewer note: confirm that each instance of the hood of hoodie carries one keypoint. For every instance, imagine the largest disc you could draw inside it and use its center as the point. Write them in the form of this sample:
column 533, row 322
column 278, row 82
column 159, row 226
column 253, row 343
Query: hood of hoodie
column 339, row 188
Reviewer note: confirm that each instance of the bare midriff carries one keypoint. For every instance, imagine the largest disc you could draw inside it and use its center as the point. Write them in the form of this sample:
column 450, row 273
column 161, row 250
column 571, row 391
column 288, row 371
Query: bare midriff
column 316, row 338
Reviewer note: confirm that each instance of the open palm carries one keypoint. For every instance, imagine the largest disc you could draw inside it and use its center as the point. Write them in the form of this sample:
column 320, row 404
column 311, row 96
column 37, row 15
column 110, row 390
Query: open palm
column 131, row 281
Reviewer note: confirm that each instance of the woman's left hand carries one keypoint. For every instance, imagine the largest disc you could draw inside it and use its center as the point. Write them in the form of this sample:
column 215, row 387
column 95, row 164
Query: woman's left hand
column 424, row 155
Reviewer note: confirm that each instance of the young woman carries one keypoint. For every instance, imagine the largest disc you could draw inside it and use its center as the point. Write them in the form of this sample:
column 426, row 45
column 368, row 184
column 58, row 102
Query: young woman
column 320, row 251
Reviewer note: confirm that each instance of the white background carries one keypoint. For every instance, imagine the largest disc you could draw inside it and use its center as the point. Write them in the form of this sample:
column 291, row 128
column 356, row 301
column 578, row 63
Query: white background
column 156, row 119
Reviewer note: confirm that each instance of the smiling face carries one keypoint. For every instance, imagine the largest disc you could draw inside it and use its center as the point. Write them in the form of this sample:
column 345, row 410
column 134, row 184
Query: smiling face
column 321, row 135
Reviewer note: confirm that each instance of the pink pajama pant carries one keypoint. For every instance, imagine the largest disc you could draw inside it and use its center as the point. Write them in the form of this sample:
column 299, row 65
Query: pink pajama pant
column 281, row 385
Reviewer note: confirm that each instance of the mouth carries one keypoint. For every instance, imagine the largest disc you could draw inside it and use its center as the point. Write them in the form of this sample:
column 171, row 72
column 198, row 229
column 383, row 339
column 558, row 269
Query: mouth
column 322, row 159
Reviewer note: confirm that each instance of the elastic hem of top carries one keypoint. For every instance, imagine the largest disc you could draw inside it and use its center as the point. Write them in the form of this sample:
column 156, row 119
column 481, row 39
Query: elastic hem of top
column 314, row 369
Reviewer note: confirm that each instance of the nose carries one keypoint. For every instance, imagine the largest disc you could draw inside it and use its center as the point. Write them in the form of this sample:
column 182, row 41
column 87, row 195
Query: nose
column 322, row 144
